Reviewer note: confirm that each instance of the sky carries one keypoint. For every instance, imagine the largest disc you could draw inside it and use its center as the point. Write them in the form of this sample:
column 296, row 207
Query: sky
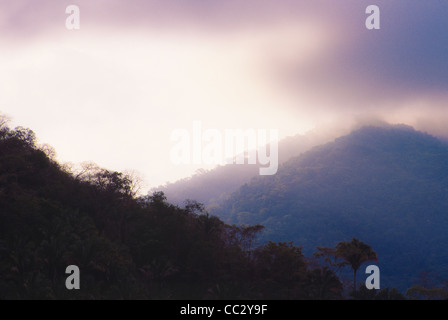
column 113, row 91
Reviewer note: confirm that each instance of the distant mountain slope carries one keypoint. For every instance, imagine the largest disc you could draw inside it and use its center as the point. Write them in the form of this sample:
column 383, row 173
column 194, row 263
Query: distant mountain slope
column 385, row 185
column 213, row 186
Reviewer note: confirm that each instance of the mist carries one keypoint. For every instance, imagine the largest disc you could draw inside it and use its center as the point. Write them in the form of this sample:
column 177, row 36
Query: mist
column 113, row 91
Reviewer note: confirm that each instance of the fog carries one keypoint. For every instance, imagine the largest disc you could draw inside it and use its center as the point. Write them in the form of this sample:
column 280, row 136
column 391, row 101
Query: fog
column 113, row 91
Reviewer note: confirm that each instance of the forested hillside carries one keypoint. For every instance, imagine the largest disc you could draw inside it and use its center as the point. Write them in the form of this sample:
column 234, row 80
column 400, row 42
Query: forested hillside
column 212, row 187
column 129, row 247
column 387, row 185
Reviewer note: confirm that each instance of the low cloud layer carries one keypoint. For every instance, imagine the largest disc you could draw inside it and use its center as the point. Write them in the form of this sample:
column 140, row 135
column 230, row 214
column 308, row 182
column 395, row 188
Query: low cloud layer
column 139, row 69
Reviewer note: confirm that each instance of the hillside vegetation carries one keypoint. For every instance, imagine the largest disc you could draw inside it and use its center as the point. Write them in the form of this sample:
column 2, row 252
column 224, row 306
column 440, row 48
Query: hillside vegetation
column 387, row 185
column 129, row 247
column 132, row 247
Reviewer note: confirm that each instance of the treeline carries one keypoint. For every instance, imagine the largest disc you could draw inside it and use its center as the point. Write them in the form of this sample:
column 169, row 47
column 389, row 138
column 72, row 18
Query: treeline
column 130, row 247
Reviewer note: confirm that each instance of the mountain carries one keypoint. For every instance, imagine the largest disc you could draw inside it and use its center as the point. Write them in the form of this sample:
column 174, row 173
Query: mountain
column 132, row 247
column 386, row 185
column 212, row 187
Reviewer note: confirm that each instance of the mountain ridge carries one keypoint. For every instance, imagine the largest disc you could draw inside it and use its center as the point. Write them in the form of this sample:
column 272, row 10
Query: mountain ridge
column 387, row 185
column 213, row 186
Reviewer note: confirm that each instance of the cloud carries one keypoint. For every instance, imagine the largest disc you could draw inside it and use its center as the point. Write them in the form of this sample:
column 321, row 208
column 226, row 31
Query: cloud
column 139, row 69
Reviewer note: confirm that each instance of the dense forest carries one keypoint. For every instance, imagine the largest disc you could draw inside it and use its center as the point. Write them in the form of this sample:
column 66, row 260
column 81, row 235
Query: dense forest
column 134, row 247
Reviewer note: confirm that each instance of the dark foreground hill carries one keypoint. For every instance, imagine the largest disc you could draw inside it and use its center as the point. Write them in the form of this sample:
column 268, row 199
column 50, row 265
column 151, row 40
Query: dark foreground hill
column 386, row 185
column 129, row 247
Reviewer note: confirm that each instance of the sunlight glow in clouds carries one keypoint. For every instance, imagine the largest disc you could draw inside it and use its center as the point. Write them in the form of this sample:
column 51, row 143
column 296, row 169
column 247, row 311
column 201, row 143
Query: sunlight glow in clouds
column 116, row 101
column 114, row 91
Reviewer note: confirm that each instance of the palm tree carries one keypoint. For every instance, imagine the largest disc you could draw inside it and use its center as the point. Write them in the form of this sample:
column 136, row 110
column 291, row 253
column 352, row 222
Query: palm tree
column 355, row 253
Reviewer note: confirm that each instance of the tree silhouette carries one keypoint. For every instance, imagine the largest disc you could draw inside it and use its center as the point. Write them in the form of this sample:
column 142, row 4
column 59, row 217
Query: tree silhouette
column 323, row 284
column 355, row 253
